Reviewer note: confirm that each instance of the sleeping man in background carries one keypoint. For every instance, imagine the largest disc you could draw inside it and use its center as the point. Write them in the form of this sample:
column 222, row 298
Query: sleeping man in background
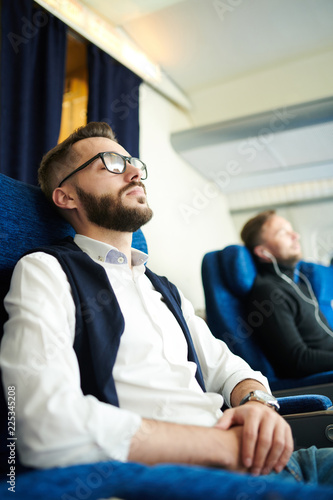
column 294, row 334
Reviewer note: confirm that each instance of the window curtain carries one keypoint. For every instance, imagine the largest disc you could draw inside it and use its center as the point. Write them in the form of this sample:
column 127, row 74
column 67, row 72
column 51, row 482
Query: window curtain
column 33, row 58
column 114, row 97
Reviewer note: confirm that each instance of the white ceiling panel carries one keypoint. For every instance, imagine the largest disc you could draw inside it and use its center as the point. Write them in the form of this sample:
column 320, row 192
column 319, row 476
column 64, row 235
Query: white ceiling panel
column 199, row 43
column 271, row 148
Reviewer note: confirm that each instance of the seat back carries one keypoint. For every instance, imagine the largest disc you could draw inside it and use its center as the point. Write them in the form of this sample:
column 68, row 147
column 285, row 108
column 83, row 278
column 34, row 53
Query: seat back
column 321, row 280
column 27, row 221
column 227, row 277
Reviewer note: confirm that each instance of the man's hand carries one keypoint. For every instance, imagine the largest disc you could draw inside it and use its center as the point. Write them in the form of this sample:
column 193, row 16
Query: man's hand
column 267, row 441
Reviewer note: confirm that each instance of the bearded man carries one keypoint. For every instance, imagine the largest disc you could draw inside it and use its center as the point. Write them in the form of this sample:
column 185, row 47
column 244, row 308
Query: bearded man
column 292, row 330
column 109, row 360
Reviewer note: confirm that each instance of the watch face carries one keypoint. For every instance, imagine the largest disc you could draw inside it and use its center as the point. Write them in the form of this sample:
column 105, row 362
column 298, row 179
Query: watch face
column 261, row 397
column 264, row 396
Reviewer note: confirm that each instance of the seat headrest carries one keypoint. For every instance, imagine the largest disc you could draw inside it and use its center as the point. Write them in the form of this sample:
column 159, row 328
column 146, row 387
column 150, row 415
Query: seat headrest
column 238, row 268
column 321, row 279
column 27, row 221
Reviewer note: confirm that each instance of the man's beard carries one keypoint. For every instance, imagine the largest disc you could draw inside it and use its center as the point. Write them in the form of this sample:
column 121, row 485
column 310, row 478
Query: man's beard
column 291, row 261
column 108, row 211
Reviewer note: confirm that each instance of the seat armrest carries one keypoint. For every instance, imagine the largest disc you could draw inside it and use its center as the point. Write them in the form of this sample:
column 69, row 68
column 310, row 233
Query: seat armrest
column 304, row 404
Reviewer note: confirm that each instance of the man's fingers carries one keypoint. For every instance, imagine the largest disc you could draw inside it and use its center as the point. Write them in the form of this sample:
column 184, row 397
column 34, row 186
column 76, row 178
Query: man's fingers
column 254, row 451
column 269, row 448
column 288, row 449
column 227, row 420
column 274, row 447
column 266, row 437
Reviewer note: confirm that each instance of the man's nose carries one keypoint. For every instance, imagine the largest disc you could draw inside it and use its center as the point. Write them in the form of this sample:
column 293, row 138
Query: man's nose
column 132, row 173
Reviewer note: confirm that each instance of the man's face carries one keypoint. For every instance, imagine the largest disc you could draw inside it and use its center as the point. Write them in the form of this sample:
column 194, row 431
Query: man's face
column 111, row 201
column 279, row 239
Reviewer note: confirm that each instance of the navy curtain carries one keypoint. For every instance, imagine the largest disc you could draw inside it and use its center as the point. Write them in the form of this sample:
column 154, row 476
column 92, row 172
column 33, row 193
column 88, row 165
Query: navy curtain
column 114, row 97
column 33, row 58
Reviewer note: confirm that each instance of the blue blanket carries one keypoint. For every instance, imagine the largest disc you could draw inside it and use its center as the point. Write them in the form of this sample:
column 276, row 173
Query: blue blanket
column 131, row 481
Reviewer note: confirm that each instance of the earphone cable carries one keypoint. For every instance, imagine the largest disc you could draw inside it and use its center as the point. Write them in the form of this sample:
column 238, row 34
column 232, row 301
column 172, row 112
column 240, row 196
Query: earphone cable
column 310, row 300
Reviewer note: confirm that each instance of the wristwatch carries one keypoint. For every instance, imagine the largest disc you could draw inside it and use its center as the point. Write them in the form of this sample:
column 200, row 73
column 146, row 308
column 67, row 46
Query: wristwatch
column 261, row 397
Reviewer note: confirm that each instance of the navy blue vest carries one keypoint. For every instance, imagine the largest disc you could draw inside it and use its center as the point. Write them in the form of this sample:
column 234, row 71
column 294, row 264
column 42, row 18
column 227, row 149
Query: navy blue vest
column 99, row 321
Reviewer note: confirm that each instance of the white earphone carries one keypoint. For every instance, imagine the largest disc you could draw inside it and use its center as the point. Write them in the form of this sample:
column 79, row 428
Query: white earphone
column 268, row 254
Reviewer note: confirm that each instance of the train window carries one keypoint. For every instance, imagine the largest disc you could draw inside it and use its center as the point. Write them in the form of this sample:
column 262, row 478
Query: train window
column 75, row 99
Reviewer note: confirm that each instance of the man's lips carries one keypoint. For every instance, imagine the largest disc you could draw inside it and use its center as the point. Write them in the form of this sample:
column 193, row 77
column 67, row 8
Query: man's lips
column 137, row 190
column 296, row 247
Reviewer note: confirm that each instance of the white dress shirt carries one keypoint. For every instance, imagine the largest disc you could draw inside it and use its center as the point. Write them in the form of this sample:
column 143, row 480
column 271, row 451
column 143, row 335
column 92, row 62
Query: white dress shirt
column 56, row 424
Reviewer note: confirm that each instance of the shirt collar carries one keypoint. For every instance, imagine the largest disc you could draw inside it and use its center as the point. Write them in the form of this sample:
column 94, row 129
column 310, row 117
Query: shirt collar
column 103, row 252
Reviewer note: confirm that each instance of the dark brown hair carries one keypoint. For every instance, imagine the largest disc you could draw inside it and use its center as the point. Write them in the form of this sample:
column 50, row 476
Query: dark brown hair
column 57, row 163
column 251, row 232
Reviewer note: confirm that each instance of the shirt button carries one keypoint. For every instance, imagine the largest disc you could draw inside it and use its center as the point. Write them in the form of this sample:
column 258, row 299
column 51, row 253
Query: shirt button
column 120, row 260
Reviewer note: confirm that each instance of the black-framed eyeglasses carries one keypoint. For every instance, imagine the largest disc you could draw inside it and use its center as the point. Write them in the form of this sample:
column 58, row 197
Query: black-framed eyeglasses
column 114, row 163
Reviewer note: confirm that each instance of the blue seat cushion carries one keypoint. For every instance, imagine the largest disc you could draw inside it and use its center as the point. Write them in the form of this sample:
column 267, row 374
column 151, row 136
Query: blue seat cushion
column 238, row 268
column 133, row 481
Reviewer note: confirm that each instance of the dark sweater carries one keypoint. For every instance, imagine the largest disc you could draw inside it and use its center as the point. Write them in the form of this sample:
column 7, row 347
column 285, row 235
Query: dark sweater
column 286, row 327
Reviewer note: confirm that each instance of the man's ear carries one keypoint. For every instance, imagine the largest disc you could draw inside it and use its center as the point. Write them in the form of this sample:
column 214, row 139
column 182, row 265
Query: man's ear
column 63, row 198
column 261, row 252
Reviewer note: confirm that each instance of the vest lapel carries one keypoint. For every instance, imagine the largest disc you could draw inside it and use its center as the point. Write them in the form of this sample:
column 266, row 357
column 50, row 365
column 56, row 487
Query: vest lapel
column 173, row 301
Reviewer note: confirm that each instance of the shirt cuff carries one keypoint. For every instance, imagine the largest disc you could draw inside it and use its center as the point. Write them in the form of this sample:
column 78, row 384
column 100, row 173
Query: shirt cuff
column 122, row 426
column 238, row 377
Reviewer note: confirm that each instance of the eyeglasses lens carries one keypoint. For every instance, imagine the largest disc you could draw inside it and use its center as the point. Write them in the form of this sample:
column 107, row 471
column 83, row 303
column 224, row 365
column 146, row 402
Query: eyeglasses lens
column 139, row 164
column 114, row 163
